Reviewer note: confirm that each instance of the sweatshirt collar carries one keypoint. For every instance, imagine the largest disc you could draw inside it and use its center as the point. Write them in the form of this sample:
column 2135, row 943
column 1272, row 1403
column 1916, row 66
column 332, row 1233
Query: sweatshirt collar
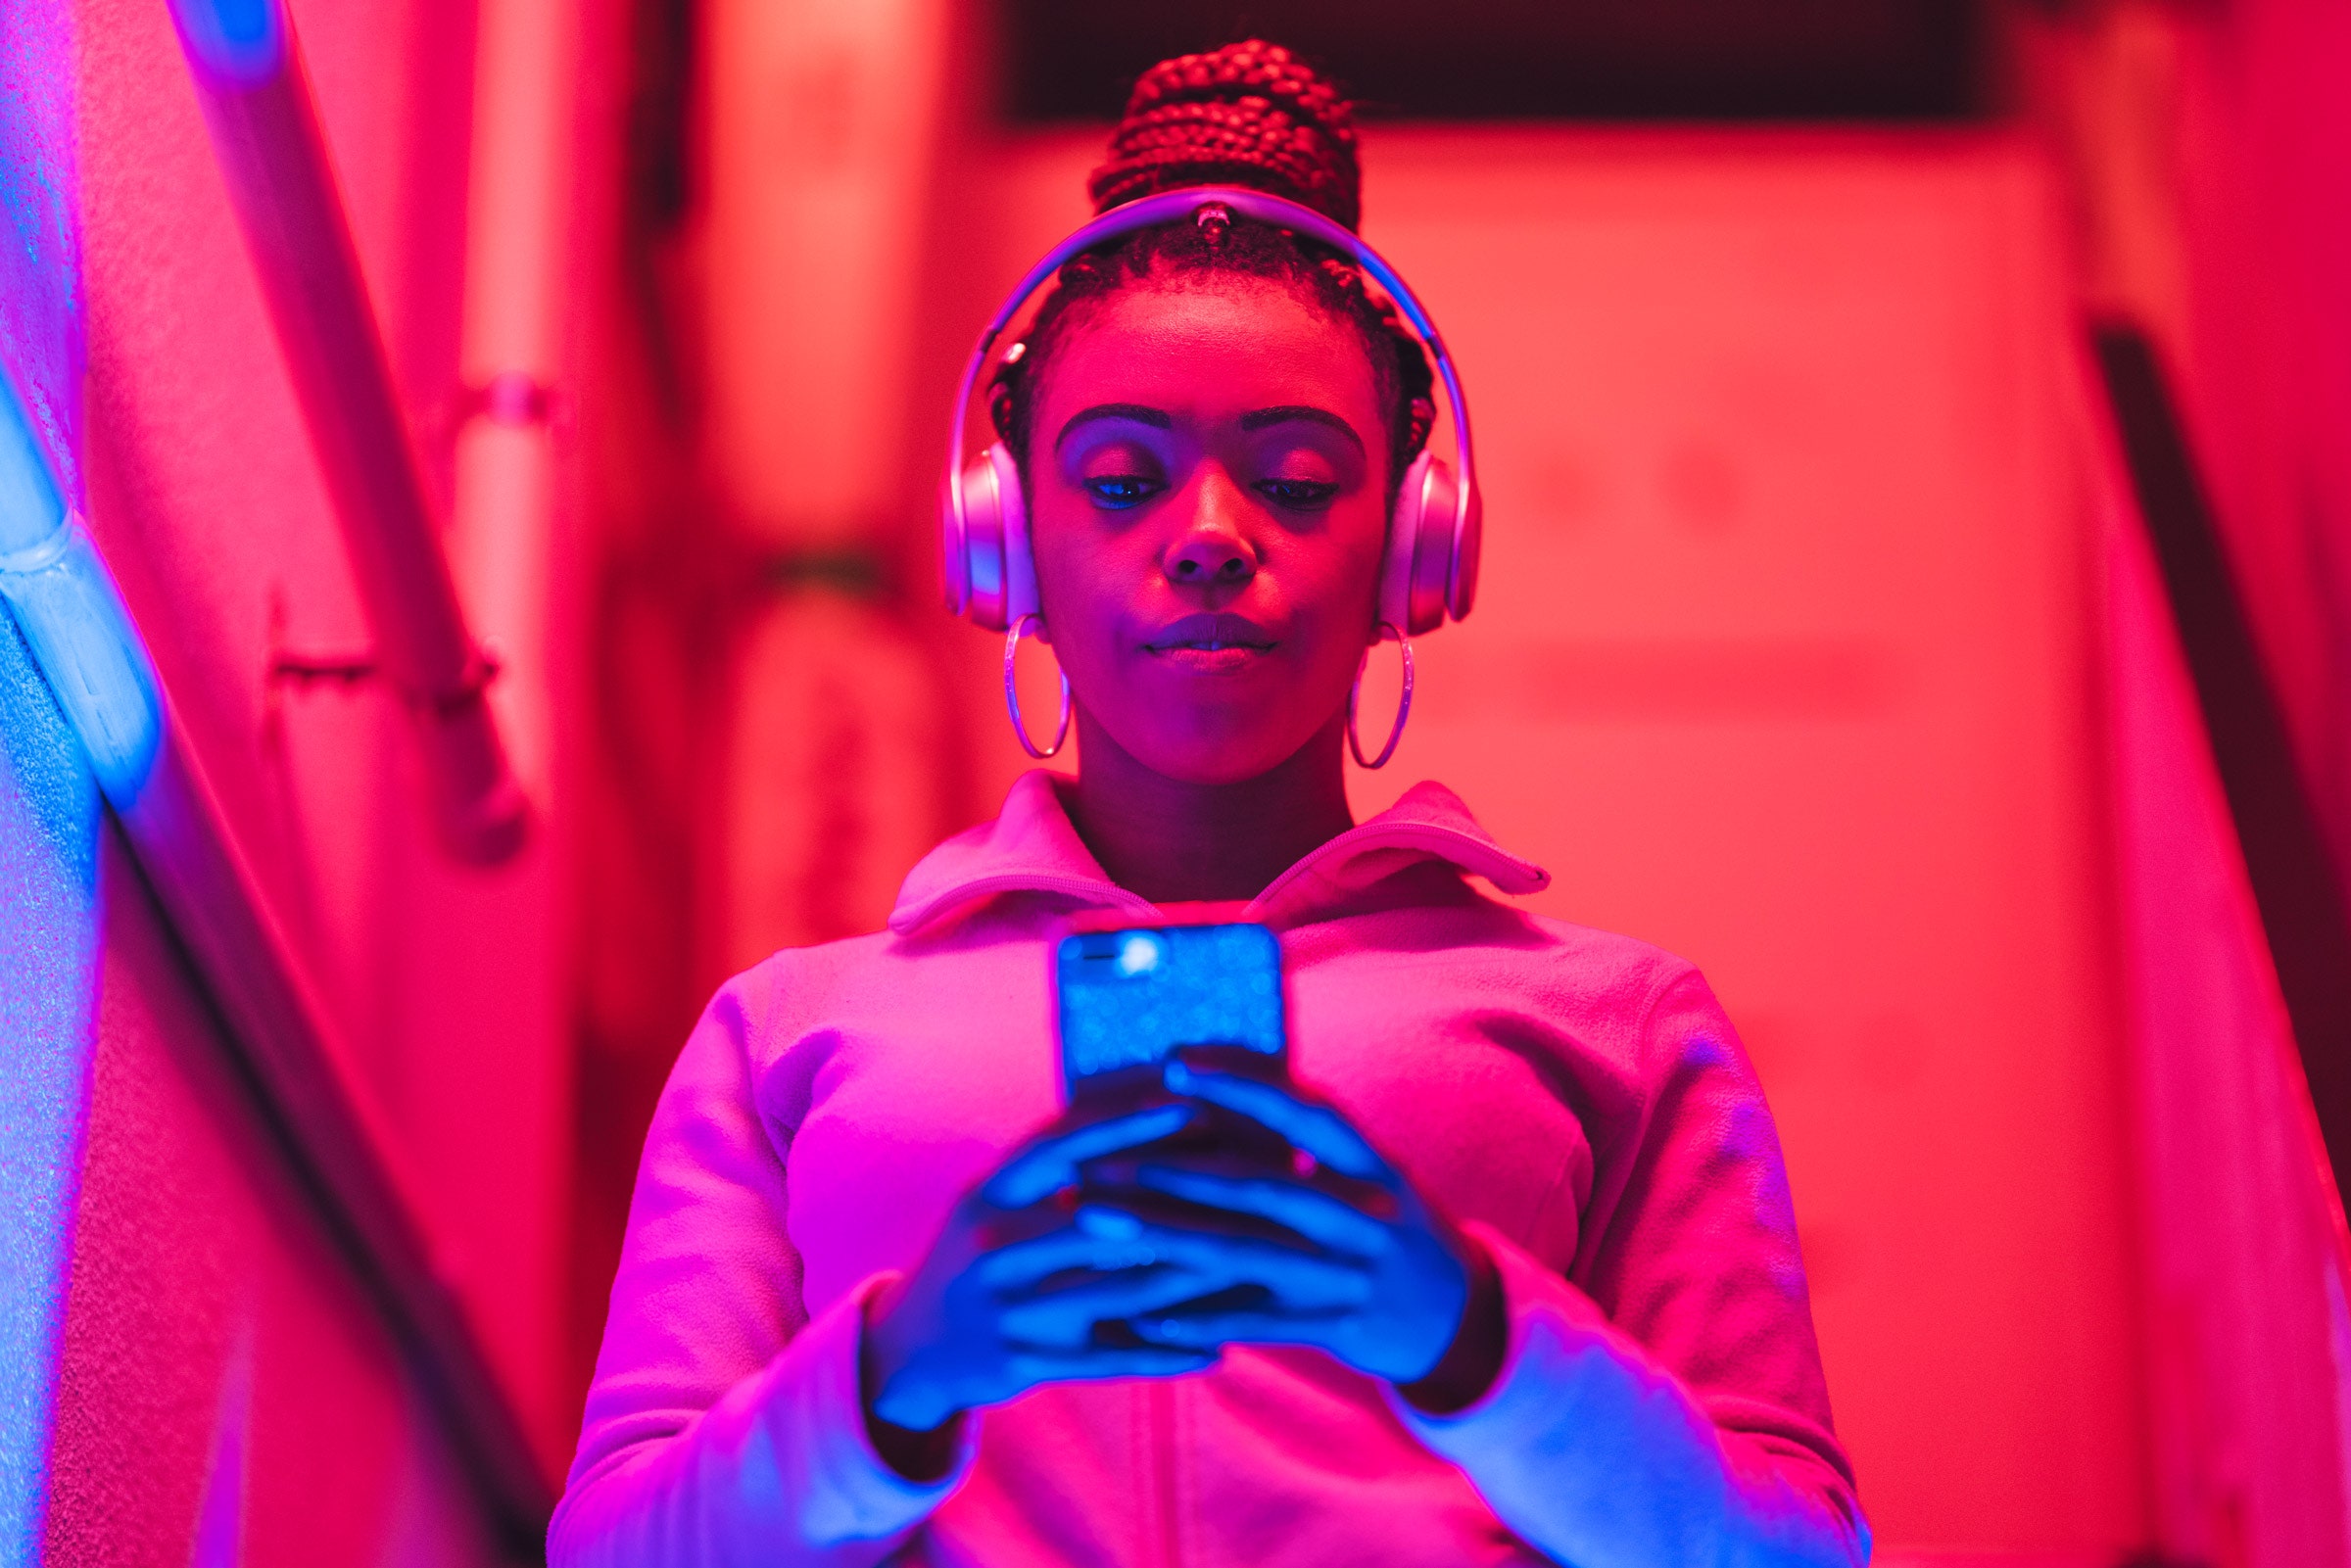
column 1030, row 848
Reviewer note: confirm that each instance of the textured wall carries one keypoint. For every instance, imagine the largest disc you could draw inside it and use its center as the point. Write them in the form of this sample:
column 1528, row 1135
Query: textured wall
column 48, row 803
column 228, row 1395
column 48, row 952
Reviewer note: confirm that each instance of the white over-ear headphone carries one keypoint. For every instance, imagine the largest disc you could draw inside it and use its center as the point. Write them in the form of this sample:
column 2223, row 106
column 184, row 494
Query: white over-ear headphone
column 1429, row 571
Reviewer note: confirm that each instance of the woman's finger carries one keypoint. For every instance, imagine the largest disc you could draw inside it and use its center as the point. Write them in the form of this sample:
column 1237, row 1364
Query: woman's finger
column 1032, row 1367
column 1066, row 1316
column 1206, row 1330
column 1105, row 1239
column 1316, row 1215
column 1300, row 1276
column 1317, row 1129
column 1105, row 1245
column 1051, row 1162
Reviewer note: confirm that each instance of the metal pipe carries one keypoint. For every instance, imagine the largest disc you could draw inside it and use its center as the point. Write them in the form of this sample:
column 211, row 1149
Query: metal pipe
column 81, row 636
column 518, row 188
column 264, row 130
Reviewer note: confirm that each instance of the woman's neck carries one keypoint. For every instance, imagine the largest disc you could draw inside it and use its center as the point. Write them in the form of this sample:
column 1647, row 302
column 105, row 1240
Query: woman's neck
column 1178, row 842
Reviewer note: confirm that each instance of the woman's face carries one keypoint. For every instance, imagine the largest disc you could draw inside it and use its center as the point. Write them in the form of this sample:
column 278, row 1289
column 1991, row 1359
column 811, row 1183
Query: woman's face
column 1209, row 501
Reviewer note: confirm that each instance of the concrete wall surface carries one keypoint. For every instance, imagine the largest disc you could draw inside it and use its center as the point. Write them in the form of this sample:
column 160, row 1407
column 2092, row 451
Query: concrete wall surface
column 229, row 1395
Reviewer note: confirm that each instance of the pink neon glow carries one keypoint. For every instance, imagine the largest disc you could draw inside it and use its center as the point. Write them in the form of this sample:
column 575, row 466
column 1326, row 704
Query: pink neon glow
column 1812, row 647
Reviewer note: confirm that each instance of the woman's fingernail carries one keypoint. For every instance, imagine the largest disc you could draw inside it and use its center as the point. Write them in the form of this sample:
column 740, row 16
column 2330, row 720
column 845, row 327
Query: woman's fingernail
column 1177, row 1078
column 1109, row 1224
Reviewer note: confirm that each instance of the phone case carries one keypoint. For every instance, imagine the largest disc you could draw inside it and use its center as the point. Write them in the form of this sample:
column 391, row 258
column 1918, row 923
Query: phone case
column 1130, row 998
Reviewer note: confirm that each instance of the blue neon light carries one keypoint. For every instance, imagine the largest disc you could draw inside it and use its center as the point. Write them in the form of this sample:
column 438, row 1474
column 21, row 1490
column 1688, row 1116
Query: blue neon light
column 238, row 42
column 72, row 618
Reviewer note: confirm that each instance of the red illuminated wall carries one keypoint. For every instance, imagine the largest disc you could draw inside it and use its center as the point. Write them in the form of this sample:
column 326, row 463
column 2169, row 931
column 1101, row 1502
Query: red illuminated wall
column 229, row 1394
column 1788, row 671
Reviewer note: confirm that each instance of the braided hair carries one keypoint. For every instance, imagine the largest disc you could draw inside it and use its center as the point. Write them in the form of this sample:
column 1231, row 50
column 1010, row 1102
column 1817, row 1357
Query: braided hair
column 1251, row 114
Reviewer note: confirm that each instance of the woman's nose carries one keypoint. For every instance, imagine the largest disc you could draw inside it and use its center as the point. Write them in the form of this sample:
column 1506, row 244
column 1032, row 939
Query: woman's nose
column 1199, row 559
column 1212, row 553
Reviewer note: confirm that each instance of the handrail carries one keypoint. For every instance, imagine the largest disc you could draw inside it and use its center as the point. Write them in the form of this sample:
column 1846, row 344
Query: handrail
column 2305, row 909
column 81, row 636
column 249, row 75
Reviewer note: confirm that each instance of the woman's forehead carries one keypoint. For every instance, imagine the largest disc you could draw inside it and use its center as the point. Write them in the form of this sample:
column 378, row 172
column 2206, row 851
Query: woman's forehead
column 1246, row 341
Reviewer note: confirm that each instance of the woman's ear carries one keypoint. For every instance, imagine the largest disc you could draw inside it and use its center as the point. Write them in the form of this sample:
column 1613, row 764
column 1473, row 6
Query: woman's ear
column 1000, row 406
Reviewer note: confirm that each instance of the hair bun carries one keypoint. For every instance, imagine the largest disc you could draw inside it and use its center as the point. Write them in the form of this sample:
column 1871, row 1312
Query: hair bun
column 1249, row 113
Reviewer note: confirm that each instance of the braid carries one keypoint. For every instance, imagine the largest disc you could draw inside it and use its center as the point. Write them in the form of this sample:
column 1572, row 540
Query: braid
column 1251, row 114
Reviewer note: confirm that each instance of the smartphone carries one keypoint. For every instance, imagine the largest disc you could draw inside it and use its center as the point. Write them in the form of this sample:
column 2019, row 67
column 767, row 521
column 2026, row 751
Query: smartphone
column 1132, row 996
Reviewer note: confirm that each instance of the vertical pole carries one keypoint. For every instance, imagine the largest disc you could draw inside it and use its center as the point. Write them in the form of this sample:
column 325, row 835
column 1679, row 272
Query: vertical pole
column 525, row 61
column 264, row 128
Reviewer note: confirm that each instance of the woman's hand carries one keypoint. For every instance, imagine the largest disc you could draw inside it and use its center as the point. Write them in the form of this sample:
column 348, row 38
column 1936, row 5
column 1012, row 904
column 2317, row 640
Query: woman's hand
column 1010, row 1291
column 1190, row 1255
column 1366, row 1269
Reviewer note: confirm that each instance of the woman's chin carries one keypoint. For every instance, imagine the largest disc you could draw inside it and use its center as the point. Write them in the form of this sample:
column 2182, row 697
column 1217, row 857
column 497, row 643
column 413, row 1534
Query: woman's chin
column 1211, row 754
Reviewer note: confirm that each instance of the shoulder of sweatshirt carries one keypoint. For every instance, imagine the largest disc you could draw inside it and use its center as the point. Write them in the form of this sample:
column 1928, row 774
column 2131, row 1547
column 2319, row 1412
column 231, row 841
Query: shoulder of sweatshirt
column 1619, row 998
column 1645, row 1012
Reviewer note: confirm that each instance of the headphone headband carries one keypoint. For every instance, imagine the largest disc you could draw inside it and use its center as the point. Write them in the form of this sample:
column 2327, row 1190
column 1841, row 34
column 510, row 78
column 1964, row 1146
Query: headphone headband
column 1172, row 206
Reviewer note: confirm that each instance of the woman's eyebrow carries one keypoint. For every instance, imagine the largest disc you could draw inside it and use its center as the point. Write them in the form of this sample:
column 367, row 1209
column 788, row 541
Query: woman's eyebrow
column 1288, row 412
column 1140, row 414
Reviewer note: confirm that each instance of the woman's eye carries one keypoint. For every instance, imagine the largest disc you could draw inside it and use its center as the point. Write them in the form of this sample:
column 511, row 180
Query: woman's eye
column 1297, row 493
column 1120, row 490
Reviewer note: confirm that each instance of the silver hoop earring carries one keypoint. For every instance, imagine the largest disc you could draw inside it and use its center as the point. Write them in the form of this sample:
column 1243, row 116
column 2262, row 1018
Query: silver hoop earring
column 1404, row 703
column 1012, row 697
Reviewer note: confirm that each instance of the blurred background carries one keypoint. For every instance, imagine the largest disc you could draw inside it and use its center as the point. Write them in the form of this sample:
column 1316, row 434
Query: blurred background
column 1917, row 445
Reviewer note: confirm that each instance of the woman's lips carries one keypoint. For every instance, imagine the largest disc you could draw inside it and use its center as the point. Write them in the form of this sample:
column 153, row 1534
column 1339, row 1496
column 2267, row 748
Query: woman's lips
column 1230, row 660
column 1215, row 634
column 1218, row 643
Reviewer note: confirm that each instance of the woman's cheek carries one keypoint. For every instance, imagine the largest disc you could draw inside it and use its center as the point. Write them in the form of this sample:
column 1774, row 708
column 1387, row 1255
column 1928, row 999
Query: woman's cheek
column 1061, row 578
column 1077, row 598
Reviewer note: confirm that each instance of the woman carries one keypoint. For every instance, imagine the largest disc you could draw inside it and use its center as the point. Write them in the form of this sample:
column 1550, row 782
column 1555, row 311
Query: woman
column 1526, row 1285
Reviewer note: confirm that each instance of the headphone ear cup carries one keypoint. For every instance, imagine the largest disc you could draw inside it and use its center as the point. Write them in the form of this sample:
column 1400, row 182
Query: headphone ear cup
column 1020, row 562
column 954, row 546
column 1416, row 576
column 1405, row 523
column 1461, row 592
column 985, row 550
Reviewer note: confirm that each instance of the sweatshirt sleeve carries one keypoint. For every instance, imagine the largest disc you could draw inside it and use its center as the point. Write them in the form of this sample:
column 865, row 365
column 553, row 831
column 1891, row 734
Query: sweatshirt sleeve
column 1672, row 1409
column 724, row 1425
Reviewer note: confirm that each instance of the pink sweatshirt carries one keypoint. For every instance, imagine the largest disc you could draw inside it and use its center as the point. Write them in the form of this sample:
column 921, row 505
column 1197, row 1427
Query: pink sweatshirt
column 1577, row 1101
